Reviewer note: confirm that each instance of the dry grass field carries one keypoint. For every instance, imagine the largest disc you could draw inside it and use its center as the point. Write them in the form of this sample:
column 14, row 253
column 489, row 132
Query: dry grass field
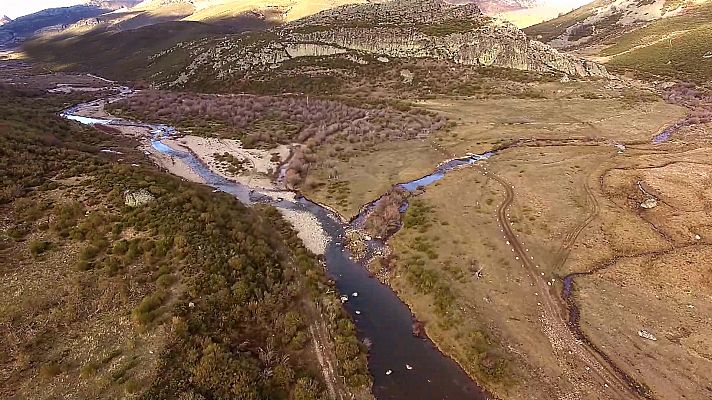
column 576, row 208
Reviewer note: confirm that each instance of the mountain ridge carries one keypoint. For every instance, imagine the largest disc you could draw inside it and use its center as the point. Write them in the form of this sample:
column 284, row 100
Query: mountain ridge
column 439, row 30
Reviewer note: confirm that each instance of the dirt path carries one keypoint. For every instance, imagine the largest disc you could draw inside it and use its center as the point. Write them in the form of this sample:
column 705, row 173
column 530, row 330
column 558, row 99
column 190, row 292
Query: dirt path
column 320, row 338
column 589, row 372
column 571, row 237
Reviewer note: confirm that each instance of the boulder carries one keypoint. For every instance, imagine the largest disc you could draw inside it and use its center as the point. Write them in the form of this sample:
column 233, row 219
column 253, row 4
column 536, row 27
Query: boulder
column 407, row 76
column 647, row 335
column 649, row 203
column 138, row 198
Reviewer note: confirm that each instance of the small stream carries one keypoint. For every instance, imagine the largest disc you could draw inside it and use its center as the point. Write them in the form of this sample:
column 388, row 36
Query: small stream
column 418, row 370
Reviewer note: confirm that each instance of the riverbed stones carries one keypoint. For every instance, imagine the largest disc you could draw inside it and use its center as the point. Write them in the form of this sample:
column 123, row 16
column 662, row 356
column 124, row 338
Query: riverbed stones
column 138, row 198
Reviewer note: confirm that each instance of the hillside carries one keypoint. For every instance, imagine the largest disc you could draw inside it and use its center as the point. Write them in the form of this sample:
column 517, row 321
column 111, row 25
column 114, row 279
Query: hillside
column 128, row 282
column 54, row 19
column 659, row 37
column 603, row 21
column 678, row 46
column 524, row 13
column 362, row 34
column 120, row 54
column 351, row 34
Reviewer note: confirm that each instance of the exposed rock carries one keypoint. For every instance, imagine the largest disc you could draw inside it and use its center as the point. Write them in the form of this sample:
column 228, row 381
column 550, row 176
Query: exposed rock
column 647, row 335
column 403, row 12
column 138, row 198
column 407, row 76
column 309, row 230
column 401, row 28
column 607, row 20
column 494, row 43
column 649, row 203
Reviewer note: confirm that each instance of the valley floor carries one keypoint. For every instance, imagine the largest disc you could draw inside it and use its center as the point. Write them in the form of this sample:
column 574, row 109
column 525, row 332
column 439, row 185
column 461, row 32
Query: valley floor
column 576, row 167
column 538, row 270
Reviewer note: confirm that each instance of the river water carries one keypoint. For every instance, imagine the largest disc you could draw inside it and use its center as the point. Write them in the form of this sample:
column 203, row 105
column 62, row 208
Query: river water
column 403, row 366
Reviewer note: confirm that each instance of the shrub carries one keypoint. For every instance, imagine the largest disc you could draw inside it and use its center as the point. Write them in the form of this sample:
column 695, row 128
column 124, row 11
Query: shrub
column 37, row 247
column 147, row 310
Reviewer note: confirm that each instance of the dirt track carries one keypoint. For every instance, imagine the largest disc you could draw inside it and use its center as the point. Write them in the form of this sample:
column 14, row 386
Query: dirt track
column 587, row 370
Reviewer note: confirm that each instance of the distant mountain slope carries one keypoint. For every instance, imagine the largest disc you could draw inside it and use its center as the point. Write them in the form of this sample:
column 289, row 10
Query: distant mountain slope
column 183, row 53
column 288, row 10
column 525, row 12
column 491, row 7
column 4, row 20
column 603, row 21
column 58, row 18
column 663, row 37
column 132, row 14
column 679, row 46
column 119, row 54
column 29, row 24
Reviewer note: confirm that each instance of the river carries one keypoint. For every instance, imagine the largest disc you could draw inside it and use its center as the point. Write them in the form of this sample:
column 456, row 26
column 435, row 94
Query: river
column 403, row 366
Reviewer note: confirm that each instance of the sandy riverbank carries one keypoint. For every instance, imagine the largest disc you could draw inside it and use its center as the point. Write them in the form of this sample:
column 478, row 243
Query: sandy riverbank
column 258, row 163
column 308, row 229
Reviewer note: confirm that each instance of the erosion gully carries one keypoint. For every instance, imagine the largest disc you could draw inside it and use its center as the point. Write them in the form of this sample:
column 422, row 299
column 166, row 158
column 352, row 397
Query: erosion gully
column 403, row 365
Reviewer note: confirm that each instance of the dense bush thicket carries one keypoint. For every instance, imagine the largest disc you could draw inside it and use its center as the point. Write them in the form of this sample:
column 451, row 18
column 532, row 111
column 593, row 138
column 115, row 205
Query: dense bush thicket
column 30, row 133
column 235, row 285
column 385, row 218
column 697, row 99
column 264, row 121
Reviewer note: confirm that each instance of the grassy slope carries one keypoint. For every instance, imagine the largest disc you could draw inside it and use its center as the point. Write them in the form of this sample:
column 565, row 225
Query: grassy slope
column 119, row 55
column 549, row 30
column 95, row 295
column 680, row 56
column 293, row 9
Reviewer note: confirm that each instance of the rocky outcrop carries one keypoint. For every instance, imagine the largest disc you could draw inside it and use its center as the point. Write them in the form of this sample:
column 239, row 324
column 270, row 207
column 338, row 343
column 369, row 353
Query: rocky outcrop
column 649, row 203
column 401, row 28
column 399, row 12
column 494, row 44
column 138, row 198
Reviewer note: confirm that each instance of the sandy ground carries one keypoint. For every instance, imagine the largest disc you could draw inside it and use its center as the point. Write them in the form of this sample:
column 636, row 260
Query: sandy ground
column 94, row 110
column 64, row 88
column 257, row 162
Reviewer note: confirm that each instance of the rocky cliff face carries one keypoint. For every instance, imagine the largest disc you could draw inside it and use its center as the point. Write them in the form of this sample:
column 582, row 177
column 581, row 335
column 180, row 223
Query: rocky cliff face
column 494, row 43
column 398, row 12
column 402, row 28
